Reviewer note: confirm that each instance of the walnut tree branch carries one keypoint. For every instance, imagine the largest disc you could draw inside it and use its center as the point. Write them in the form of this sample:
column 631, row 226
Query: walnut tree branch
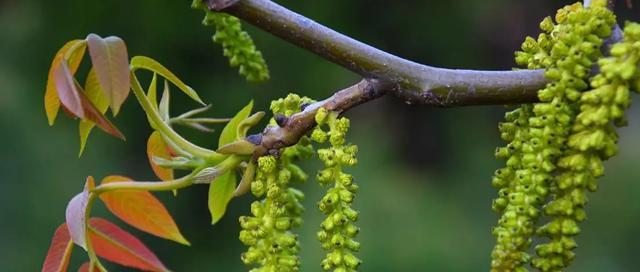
column 383, row 72
column 413, row 82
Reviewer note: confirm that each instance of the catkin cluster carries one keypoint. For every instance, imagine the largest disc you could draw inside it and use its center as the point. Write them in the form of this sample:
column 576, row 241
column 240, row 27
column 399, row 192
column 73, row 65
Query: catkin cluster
column 267, row 232
column 338, row 230
column 538, row 133
column 272, row 246
column 236, row 43
column 593, row 139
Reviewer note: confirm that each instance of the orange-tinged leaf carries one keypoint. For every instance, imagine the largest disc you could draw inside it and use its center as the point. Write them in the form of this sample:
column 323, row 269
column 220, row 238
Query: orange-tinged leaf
column 94, row 93
column 156, row 147
column 141, row 210
column 51, row 100
column 57, row 259
column 93, row 114
column 75, row 214
column 115, row 244
column 111, row 64
column 86, row 267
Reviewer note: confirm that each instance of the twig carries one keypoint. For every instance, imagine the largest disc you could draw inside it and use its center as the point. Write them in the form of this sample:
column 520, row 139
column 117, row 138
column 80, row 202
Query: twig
column 295, row 126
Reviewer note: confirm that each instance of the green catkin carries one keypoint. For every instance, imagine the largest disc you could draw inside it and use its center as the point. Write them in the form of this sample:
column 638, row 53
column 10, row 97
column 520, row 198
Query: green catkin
column 593, row 139
column 267, row 232
column 338, row 230
column 236, row 44
column 537, row 133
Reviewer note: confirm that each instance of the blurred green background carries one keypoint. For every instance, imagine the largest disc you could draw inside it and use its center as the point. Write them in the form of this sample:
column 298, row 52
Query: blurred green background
column 424, row 172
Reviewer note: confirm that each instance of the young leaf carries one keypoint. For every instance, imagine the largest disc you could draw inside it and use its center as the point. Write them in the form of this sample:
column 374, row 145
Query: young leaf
column 249, row 122
column 141, row 62
column 95, row 94
column 230, row 131
column 57, row 259
column 115, row 244
column 85, row 267
column 51, row 100
column 164, row 103
column 75, row 214
column 77, row 104
column 239, row 147
column 156, row 147
column 93, row 114
column 67, row 90
column 111, row 64
column 247, row 179
column 152, row 91
column 220, row 193
column 141, row 210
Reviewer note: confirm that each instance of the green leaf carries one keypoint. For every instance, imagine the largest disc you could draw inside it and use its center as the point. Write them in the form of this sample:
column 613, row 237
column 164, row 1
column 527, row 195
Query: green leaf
column 95, row 94
column 152, row 91
column 239, row 147
column 153, row 97
column 164, row 103
column 230, row 132
column 111, row 64
column 249, row 122
column 142, row 62
column 247, row 179
column 220, row 193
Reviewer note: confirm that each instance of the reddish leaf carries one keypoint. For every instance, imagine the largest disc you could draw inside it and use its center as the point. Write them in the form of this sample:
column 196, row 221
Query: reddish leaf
column 51, row 100
column 59, row 252
column 115, row 244
column 85, row 267
column 67, row 90
column 141, row 210
column 111, row 63
column 93, row 114
column 75, row 214
column 156, row 147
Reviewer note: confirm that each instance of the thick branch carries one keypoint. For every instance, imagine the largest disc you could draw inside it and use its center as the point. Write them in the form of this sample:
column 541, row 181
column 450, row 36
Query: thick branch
column 383, row 72
column 413, row 82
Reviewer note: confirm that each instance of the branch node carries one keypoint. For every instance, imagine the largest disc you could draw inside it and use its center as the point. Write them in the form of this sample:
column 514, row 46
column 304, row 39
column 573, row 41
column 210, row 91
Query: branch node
column 281, row 119
column 219, row 5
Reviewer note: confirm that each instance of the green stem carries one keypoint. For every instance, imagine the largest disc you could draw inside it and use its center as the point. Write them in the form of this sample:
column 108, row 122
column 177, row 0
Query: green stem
column 147, row 185
column 154, row 116
column 206, row 120
column 93, row 259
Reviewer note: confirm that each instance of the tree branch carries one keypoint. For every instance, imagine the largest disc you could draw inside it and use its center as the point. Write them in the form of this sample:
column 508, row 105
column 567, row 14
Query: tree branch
column 413, row 82
column 295, row 126
column 383, row 72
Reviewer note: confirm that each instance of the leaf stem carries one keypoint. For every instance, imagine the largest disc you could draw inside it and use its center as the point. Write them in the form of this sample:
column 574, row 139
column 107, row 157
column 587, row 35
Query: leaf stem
column 154, row 116
column 93, row 259
column 147, row 185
